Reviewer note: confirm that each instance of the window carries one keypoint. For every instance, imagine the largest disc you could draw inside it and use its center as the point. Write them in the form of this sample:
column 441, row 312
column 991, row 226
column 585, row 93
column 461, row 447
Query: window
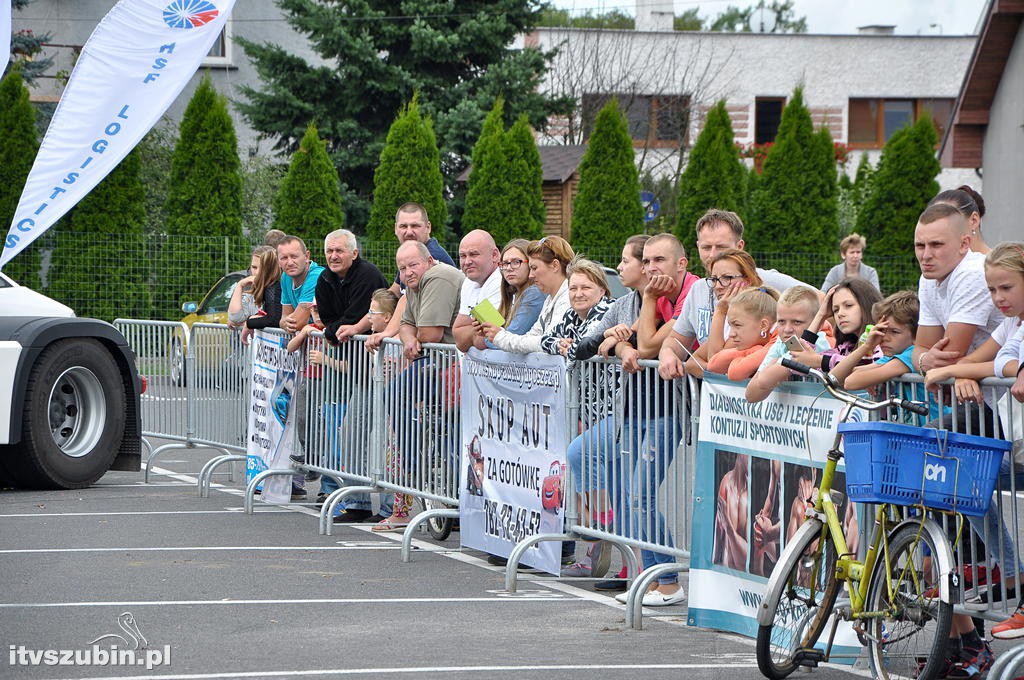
column 873, row 121
column 653, row 120
column 220, row 52
column 767, row 114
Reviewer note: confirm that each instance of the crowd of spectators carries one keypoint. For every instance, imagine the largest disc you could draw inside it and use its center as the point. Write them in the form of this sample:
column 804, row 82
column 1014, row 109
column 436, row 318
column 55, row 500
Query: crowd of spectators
column 963, row 322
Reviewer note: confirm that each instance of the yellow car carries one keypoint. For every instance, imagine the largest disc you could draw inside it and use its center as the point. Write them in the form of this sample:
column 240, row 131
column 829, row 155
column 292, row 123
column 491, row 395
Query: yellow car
column 212, row 309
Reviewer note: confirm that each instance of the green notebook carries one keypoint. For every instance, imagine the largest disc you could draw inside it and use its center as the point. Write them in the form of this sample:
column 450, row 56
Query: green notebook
column 484, row 312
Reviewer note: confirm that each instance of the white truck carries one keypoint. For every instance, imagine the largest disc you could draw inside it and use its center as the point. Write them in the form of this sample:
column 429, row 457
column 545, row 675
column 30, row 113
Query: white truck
column 69, row 395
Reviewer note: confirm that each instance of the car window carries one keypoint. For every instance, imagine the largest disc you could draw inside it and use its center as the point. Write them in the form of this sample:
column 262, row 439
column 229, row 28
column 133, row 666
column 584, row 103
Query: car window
column 217, row 300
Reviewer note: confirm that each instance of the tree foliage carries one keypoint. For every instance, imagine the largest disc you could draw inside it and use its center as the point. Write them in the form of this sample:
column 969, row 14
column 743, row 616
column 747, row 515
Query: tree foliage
column 309, row 202
column 742, row 19
column 852, row 194
column 607, row 209
column 900, row 189
column 373, row 55
column 409, row 170
column 732, row 19
column 715, row 177
column 19, row 143
column 115, row 208
column 794, row 208
column 205, row 196
column 525, row 182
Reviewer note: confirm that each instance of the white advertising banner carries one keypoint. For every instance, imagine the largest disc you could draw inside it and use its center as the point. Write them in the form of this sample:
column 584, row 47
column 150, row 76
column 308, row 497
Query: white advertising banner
column 5, row 34
column 513, row 453
column 134, row 65
column 275, row 379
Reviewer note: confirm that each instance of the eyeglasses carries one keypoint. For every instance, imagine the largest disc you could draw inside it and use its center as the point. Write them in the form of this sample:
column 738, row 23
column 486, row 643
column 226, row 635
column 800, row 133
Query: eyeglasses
column 374, row 312
column 512, row 264
column 725, row 280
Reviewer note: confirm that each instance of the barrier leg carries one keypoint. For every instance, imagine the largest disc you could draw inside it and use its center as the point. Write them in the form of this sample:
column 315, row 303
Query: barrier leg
column 634, row 601
column 520, row 549
column 332, row 502
column 1007, row 665
column 420, row 519
column 250, row 489
column 160, row 449
column 206, row 474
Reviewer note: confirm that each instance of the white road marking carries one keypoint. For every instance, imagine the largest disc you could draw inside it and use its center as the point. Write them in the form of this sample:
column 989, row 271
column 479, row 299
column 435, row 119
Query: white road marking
column 431, row 669
column 338, row 600
column 225, row 511
column 203, row 548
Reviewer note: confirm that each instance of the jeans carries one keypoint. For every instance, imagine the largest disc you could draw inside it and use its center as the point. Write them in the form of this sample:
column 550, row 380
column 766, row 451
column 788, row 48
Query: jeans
column 998, row 535
column 605, row 467
column 654, row 440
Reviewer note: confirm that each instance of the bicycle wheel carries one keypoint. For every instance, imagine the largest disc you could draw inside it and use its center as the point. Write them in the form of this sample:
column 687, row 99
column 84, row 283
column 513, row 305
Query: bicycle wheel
column 909, row 641
column 802, row 604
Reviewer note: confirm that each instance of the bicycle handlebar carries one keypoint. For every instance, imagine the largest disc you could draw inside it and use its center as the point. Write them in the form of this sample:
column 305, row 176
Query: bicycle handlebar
column 832, row 385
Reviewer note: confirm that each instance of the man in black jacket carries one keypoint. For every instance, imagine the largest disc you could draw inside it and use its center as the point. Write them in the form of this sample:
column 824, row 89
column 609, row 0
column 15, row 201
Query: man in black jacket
column 342, row 300
column 344, row 289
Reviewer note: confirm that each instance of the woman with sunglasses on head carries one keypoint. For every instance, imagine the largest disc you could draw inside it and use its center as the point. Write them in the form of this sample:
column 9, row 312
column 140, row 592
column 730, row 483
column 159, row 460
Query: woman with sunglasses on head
column 731, row 271
column 548, row 260
column 968, row 203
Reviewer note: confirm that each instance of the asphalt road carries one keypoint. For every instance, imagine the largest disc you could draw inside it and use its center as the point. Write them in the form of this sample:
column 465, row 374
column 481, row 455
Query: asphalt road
column 263, row 596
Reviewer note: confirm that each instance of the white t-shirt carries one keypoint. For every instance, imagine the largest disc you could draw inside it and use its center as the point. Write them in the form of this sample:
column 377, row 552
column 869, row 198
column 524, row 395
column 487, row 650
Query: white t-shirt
column 472, row 292
column 699, row 306
column 1012, row 350
column 962, row 297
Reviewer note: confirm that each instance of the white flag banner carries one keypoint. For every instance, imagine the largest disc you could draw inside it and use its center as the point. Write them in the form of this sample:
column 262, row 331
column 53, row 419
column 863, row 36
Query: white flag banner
column 134, row 65
column 5, row 34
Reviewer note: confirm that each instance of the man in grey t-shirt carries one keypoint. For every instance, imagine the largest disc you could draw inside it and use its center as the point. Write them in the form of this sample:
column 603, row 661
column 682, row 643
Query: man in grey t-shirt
column 717, row 230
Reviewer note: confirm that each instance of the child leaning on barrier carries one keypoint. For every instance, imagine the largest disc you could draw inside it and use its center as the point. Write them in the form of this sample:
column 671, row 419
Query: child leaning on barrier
column 796, row 309
column 849, row 304
column 751, row 315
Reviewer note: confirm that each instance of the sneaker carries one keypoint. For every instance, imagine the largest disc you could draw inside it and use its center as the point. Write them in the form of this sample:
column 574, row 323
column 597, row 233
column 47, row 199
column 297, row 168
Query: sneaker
column 972, row 663
column 312, row 476
column 1012, row 628
column 979, row 575
column 948, row 664
column 576, row 569
column 496, row 561
column 656, row 598
column 298, row 493
column 352, row 516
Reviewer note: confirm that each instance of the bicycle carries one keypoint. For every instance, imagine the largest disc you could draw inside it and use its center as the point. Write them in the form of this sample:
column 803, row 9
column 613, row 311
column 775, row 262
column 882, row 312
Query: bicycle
column 900, row 596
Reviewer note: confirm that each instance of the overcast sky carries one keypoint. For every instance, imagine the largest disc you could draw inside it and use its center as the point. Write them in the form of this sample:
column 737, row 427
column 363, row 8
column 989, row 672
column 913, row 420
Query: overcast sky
column 911, row 17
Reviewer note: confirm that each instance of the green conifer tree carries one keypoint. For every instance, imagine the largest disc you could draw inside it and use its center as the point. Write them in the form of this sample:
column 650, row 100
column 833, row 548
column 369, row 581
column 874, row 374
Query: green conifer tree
column 308, row 204
column 714, row 177
column 793, row 209
column 486, row 202
column 607, row 209
column 900, row 188
column 204, row 201
column 99, row 267
column 409, row 170
column 19, row 142
column 525, row 182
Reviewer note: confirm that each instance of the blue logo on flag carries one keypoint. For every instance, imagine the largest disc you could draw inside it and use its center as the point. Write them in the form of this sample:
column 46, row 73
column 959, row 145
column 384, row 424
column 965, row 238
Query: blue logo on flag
column 190, row 13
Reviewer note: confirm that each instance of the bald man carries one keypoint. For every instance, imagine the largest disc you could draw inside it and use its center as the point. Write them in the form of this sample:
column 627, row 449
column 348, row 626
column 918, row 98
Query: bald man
column 478, row 260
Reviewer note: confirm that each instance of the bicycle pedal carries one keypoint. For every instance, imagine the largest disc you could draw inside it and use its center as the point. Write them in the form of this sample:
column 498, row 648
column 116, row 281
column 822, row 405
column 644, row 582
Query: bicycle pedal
column 808, row 657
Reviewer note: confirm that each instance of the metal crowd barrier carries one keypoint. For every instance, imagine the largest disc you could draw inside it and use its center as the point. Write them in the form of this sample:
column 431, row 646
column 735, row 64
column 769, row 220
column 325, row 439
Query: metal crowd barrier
column 197, row 393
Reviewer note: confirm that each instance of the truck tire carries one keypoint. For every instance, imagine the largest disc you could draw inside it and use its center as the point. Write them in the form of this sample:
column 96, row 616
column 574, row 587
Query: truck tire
column 74, row 417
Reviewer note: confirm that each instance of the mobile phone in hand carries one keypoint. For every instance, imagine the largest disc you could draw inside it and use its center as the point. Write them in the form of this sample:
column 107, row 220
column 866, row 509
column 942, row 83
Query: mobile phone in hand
column 793, row 344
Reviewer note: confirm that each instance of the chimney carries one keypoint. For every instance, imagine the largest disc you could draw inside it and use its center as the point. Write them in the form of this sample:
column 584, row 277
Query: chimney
column 876, row 29
column 654, row 15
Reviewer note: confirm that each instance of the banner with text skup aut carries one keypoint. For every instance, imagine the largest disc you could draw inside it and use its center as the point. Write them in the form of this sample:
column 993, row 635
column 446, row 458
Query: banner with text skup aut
column 756, row 466
column 514, row 438
column 132, row 68
column 271, row 434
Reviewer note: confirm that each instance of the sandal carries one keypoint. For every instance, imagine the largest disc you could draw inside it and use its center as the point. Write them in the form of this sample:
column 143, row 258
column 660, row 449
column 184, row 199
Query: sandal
column 391, row 524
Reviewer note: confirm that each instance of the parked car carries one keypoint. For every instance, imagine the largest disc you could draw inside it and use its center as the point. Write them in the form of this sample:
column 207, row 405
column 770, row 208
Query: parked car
column 212, row 309
column 614, row 284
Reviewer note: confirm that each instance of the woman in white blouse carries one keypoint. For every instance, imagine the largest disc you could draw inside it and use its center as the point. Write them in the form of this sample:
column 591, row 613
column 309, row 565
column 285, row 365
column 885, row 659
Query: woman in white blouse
column 549, row 258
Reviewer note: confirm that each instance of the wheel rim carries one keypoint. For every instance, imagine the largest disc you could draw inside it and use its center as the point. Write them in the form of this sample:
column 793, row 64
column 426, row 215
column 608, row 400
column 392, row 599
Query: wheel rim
column 177, row 363
column 77, row 411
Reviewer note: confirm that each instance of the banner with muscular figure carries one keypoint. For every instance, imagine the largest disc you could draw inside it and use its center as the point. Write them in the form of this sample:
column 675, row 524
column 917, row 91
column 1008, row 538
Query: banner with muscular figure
column 513, row 453
column 757, row 466
column 132, row 68
column 271, row 432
